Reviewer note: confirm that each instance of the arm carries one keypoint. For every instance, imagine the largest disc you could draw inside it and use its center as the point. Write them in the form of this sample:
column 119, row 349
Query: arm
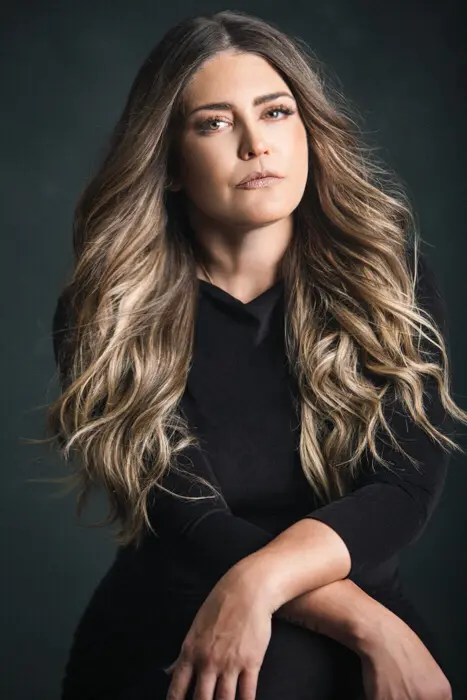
column 207, row 530
column 222, row 540
column 219, row 540
column 340, row 610
column 216, row 541
column 386, row 510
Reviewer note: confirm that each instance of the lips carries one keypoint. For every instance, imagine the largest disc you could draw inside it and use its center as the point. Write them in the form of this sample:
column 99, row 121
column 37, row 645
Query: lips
column 258, row 175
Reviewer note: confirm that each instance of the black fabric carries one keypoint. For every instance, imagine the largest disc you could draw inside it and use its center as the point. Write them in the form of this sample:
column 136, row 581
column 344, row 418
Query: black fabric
column 239, row 400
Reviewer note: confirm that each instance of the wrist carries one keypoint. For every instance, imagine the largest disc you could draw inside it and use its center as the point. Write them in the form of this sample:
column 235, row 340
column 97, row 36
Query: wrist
column 255, row 572
column 366, row 631
column 307, row 555
column 340, row 610
column 343, row 611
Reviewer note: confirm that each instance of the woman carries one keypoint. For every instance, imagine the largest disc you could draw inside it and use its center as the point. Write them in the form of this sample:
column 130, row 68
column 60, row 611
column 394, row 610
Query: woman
column 243, row 369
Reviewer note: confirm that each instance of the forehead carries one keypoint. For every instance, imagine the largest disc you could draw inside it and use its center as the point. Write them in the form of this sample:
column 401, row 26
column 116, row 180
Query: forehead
column 232, row 77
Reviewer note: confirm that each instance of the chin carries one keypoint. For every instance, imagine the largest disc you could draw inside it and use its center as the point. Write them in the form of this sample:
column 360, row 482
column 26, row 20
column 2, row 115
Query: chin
column 272, row 207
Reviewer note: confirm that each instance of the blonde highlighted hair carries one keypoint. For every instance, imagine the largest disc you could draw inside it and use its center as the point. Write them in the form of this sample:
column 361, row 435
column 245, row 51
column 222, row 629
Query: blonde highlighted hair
column 357, row 336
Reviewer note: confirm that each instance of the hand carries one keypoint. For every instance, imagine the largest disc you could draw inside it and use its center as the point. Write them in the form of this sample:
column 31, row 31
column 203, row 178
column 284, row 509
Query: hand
column 397, row 665
column 226, row 643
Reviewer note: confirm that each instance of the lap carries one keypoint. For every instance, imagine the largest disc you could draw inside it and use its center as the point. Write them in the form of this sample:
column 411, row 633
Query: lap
column 124, row 640
column 130, row 631
column 298, row 665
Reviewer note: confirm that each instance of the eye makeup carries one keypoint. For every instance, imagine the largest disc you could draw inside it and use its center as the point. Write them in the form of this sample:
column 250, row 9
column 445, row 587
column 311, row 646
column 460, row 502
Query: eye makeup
column 203, row 126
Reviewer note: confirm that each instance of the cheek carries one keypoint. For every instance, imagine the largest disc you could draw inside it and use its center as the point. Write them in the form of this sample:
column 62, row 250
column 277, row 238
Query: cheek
column 208, row 182
column 204, row 177
column 300, row 150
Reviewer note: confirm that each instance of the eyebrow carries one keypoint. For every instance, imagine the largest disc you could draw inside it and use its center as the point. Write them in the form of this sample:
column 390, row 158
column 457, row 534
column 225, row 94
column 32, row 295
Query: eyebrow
column 227, row 105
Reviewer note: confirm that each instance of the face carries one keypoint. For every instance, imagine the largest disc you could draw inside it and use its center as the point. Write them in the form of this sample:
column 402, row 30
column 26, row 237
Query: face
column 219, row 147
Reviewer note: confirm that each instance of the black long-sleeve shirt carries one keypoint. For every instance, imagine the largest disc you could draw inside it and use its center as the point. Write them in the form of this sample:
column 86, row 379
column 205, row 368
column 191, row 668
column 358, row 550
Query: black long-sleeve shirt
column 239, row 396
column 239, row 400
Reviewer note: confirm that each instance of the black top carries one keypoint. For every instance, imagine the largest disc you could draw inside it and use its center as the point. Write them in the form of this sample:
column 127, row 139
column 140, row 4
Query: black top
column 239, row 400
column 239, row 397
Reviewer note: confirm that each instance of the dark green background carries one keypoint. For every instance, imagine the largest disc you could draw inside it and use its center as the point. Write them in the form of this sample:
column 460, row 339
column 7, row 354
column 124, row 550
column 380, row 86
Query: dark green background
column 66, row 71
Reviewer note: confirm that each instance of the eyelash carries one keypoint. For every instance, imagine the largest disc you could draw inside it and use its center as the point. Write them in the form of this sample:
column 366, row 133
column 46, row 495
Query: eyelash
column 279, row 108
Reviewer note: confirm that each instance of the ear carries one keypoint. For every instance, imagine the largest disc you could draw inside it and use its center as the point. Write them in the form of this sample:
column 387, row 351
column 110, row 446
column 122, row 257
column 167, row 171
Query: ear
column 174, row 187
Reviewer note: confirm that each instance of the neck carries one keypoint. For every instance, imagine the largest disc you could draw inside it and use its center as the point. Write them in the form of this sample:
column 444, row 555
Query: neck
column 245, row 265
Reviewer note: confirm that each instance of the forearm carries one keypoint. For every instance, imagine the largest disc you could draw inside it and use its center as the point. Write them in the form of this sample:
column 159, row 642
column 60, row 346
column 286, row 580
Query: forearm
column 304, row 557
column 341, row 610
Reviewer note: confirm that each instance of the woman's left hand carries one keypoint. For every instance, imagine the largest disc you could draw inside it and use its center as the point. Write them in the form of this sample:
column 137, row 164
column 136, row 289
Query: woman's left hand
column 226, row 642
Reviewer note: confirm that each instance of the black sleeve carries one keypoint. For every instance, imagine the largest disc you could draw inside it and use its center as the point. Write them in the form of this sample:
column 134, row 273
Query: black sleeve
column 364, row 518
column 219, row 541
column 388, row 511
column 207, row 529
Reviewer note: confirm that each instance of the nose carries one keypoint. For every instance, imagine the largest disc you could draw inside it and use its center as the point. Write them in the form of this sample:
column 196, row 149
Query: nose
column 253, row 143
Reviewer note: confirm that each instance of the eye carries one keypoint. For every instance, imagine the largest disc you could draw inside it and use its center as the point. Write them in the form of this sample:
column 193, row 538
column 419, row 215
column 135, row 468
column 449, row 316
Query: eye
column 204, row 126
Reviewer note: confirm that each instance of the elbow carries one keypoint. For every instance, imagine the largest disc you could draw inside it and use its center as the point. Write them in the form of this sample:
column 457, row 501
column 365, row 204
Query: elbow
column 376, row 522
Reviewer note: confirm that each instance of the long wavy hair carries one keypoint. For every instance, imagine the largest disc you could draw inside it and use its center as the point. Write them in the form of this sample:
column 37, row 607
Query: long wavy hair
column 355, row 334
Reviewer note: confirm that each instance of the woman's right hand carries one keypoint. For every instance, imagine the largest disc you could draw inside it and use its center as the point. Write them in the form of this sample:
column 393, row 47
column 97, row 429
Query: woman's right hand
column 396, row 665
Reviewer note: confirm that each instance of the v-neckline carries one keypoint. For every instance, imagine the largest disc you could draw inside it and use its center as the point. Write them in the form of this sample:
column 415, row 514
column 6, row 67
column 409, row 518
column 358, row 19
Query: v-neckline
column 222, row 293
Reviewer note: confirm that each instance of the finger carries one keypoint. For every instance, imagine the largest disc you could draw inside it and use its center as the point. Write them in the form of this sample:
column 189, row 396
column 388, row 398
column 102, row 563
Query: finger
column 248, row 684
column 205, row 685
column 180, row 681
column 170, row 668
column 226, row 686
